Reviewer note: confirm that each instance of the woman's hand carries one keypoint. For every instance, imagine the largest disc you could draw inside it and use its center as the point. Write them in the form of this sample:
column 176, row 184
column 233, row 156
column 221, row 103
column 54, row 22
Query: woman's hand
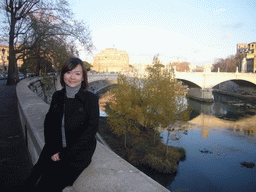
column 56, row 157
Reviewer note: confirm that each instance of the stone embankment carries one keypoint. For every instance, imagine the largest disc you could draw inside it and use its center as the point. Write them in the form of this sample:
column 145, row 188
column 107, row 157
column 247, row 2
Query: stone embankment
column 107, row 172
column 243, row 91
column 240, row 95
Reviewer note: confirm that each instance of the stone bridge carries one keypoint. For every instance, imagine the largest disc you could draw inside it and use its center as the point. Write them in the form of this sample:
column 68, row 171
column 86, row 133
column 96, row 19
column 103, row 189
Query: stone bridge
column 101, row 76
column 200, row 83
column 208, row 80
column 203, row 80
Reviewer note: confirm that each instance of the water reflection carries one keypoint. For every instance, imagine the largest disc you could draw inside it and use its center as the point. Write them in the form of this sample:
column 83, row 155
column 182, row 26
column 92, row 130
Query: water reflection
column 219, row 137
column 225, row 112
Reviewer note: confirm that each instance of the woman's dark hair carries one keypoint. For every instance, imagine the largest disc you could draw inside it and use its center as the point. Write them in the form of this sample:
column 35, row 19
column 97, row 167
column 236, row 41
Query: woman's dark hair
column 71, row 64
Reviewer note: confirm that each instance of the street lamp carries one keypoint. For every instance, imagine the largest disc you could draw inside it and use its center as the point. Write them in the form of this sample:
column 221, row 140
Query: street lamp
column 3, row 51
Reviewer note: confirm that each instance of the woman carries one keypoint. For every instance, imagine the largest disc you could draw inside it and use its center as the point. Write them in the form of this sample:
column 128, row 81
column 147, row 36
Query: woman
column 70, row 127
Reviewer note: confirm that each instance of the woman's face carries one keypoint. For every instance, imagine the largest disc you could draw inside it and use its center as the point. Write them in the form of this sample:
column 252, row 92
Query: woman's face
column 75, row 77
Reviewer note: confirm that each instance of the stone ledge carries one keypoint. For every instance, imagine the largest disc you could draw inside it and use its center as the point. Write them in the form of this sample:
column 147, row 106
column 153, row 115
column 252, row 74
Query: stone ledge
column 107, row 172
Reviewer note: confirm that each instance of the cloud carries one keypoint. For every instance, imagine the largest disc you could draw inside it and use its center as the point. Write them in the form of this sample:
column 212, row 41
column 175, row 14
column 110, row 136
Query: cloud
column 229, row 35
column 237, row 25
column 195, row 50
column 220, row 10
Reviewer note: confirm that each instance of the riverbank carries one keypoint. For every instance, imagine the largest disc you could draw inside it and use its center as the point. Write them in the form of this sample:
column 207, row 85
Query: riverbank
column 143, row 150
column 244, row 96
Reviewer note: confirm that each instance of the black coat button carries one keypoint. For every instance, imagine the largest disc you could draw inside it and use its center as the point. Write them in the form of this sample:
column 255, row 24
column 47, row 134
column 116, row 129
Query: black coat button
column 81, row 109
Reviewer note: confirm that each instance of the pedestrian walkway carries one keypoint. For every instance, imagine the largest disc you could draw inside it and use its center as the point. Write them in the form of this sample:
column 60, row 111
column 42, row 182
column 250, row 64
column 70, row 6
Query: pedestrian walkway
column 15, row 164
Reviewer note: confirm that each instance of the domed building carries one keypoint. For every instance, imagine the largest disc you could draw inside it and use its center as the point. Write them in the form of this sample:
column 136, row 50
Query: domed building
column 111, row 60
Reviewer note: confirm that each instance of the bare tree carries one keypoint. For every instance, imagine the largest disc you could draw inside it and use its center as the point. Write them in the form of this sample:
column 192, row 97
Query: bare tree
column 181, row 67
column 229, row 64
column 16, row 12
column 156, row 59
column 19, row 15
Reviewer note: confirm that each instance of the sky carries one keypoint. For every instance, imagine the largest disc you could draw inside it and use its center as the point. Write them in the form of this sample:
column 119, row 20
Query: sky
column 194, row 31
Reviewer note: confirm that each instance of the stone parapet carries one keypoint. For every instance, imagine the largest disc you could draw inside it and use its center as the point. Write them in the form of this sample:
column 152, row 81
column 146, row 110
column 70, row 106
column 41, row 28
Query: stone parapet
column 32, row 112
column 107, row 172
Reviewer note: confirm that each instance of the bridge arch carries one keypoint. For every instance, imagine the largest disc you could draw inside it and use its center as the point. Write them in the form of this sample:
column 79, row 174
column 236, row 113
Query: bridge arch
column 244, row 82
column 211, row 79
column 189, row 83
column 237, row 81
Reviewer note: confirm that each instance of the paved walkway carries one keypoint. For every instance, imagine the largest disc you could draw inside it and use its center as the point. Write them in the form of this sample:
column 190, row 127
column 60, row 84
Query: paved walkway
column 14, row 160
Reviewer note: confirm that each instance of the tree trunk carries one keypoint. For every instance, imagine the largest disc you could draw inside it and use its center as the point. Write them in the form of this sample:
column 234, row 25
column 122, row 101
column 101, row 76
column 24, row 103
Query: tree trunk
column 125, row 141
column 12, row 58
column 167, row 141
column 16, row 71
column 10, row 78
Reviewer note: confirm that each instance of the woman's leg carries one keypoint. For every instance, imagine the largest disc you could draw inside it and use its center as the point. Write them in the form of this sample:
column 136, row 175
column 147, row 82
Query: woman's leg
column 34, row 176
column 57, row 177
column 37, row 171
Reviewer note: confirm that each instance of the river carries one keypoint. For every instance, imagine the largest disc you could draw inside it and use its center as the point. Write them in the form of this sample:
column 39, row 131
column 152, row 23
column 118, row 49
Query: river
column 218, row 138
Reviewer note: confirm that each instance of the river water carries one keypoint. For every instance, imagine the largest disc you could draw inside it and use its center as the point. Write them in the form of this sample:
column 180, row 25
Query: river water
column 219, row 137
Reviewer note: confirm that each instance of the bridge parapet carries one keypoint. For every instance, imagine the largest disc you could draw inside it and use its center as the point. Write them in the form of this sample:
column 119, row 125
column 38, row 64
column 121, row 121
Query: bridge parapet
column 107, row 172
column 210, row 79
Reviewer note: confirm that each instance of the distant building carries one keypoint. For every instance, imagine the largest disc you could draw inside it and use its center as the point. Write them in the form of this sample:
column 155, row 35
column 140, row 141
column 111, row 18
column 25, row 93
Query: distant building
column 4, row 58
column 251, row 57
column 111, row 60
column 241, row 47
column 4, row 61
column 249, row 51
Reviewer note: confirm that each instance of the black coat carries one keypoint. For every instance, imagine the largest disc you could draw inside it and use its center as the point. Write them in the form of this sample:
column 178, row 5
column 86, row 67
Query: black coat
column 80, row 129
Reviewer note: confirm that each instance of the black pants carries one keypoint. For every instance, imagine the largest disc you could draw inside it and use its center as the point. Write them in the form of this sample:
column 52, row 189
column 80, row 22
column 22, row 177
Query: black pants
column 51, row 176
